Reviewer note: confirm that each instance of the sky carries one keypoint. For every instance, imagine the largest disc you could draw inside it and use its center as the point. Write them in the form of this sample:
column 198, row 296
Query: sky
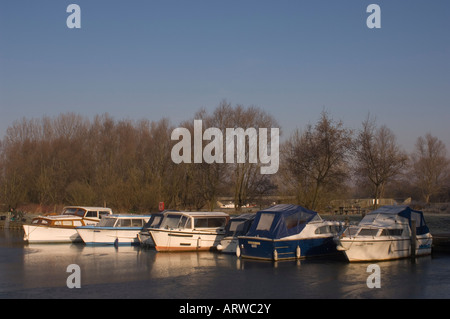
column 292, row 58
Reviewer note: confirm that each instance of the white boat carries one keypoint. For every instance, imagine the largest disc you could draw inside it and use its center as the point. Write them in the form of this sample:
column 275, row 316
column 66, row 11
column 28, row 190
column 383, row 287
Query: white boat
column 189, row 231
column 386, row 234
column 237, row 226
column 53, row 228
column 114, row 230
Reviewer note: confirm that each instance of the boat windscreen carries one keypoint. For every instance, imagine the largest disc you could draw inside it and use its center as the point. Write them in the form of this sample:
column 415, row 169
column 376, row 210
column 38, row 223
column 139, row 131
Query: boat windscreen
column 237, row 227
column 265, row 221
column 69, row 211
column 154, row 221
column 170, row 221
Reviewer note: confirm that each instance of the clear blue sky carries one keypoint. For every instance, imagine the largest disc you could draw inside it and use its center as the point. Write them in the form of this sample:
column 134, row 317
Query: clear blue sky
column 167, row 58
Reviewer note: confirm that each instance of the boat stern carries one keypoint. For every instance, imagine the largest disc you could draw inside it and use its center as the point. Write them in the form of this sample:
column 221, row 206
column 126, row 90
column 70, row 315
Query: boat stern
column 256, row 248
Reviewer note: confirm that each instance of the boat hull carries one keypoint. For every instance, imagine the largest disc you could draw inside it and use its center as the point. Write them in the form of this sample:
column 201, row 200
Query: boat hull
column 228, row 245
column 122, row 236
column 145, row 239
column 282, row 249
column 48, row 234
column 174, row 240
column 378, row 249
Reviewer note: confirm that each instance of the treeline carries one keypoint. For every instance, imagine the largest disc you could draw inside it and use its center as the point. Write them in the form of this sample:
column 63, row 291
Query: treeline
column 127, row 165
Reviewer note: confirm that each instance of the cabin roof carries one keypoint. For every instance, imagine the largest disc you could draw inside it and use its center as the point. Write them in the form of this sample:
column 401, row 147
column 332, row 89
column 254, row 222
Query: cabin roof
column 89, row 207
column 200, row 214
column 127, row 216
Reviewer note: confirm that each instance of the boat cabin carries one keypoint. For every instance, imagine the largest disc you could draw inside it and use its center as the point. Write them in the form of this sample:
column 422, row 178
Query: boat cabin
column 61, row 221
column 194, row 220
column 87, row 212
column 123, row 221
column 389, row 221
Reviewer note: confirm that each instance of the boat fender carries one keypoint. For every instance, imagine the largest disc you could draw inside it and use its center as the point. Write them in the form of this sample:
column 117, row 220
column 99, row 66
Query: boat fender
column 298, row 252
column 275, row 255
column 238, row 251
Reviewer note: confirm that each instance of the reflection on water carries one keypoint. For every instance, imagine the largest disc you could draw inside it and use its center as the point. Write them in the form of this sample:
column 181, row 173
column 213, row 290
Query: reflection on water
column 131, row 272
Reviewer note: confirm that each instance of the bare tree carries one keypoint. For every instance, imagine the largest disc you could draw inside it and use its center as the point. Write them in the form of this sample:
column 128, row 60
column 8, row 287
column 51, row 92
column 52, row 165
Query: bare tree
column 430, row 166
column 316, row 160
column 378, row 157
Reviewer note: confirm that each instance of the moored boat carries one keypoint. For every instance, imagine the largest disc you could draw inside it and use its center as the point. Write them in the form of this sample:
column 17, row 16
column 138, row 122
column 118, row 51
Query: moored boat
column 237, row 226
column 189, row 231
column 288, row 231
column 385, row 234
column 114, row 230
column 144, row 236
column 53, row 228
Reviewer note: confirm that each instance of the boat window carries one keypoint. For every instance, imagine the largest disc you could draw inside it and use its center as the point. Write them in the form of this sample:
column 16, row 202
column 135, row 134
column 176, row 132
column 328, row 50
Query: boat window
column 327, row 229
column 351, row 231
column 156, row 221
column 188, row 224
column 237, row 226
column 210, row 222
column 91, row 214
column 57, row 223
column 69, row 211
column 44, row 222
column 77, row 223
column 67, row 223
column 35, row 221
column 200, row 222
column 124, row 223
column 265, row 221
column 368, row 232
column 182, row 222
column 136, row 222
column 392, row 232
column 103, row 213
column 80, row 212
column 217, row 222
column 107, row 222
column 170, row 221
column 153, row 221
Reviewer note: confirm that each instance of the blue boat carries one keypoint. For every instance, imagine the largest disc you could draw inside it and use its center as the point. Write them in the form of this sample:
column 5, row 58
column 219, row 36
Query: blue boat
column 288, row 231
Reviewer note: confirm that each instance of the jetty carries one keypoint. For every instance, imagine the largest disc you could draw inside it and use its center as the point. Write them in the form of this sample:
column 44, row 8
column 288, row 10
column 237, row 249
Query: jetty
column 441, row 241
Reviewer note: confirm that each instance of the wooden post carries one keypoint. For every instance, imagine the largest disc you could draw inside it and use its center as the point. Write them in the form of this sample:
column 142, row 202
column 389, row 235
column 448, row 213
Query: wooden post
column 413, row 238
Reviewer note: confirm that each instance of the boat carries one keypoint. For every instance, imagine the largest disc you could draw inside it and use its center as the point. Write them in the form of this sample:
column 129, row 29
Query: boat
column 189, row 231
column 385, row 234
column 144, row 236
column 237, row 226
column 287, row 231
column 114, row 230
column 61, row 228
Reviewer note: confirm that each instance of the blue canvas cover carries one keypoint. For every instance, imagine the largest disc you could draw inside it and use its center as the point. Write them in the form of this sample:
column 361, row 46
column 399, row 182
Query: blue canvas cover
column 280, row 221
column 406, row 212
column 243, row 221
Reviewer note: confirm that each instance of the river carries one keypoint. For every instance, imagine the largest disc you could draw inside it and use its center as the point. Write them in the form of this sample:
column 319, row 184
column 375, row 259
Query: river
column 41, row 271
